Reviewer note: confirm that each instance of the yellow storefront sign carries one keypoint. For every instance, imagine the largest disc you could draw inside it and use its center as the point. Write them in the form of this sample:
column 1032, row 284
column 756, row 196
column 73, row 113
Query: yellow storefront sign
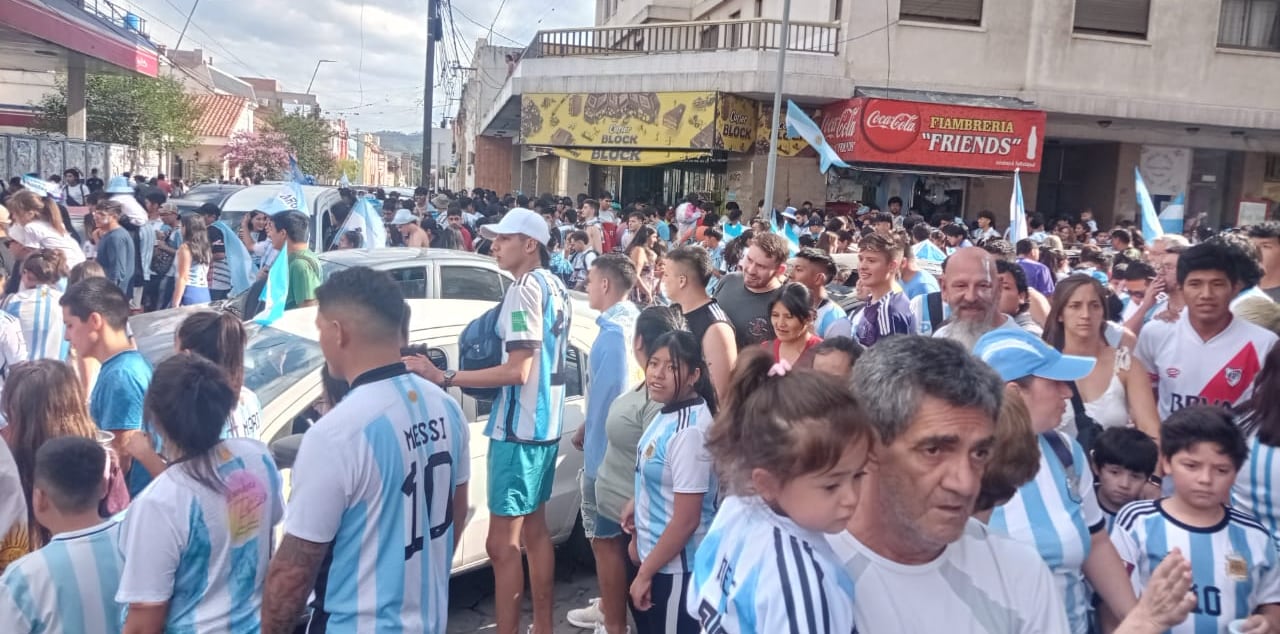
column 735, row 123
column 627, row 157
column 787, row 146
column 679, row 120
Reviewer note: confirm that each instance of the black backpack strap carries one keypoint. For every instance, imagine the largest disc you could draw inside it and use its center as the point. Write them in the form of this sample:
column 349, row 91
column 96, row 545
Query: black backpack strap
column 934, row 301
column 1060, row 448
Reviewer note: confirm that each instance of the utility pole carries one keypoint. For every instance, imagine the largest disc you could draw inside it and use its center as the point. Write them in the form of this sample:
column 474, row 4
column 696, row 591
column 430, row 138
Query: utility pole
column 434, row 34
column 771, row 171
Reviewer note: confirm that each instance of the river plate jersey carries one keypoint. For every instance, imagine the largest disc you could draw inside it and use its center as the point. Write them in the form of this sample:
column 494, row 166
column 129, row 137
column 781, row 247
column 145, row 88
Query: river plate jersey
column 375, row 478
column 1188, row 370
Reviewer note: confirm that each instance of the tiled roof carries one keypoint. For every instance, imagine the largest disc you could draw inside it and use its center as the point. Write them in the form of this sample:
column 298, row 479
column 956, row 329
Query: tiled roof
column 219, row 114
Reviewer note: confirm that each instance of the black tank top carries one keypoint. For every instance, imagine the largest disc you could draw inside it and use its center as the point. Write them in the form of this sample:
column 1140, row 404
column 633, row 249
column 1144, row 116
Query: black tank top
column 703, row 317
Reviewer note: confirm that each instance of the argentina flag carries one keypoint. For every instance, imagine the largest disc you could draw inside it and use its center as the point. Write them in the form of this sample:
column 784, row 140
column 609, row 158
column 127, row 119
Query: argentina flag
column 368, row 221
column 1151, row 228
column 1017, row 210
column 800, row 125
column 276, row 292
column 1172, row 215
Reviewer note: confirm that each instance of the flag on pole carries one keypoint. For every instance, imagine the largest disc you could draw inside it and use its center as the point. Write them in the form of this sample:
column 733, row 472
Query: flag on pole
column 800, row 125
column 1150, row 220
column 295, row 174
column 368, row 221
column 1172, row 216
column 1017, row 210
column 276, row 291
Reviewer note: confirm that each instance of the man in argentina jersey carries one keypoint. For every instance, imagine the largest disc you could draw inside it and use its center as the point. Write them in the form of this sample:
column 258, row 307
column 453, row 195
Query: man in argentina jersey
column 38, row 311
column 70, row 584
column 1206, row 355
column 1234, row 567
column 788, row 580
column 380, row 482
column 525, row 424
column 815, row 269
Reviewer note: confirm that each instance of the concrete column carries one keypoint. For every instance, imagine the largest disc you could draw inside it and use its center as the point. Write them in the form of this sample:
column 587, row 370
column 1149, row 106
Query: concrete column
column 77, row 126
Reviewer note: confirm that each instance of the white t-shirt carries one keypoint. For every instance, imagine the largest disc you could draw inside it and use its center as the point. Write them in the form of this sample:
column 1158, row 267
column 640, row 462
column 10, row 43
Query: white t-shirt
column 375, row 477
column 1056, row 514
column 1234, row 567
column 13, row 349
column 202, row 551
column 982, row 583
column 39, row 234
column 1188, row 370
column 246, row 417
column 757, row 571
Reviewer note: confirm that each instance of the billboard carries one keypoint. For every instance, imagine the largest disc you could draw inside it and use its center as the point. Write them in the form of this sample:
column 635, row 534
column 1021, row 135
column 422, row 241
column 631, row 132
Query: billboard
column 677, row 120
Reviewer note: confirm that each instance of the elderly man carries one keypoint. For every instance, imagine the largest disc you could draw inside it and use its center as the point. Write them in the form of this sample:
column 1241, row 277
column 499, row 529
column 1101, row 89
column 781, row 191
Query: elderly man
column 912, row 536
column 971, row 292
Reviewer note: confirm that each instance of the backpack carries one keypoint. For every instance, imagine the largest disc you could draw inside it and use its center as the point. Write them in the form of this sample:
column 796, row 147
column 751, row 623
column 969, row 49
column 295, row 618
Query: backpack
column 480, row 347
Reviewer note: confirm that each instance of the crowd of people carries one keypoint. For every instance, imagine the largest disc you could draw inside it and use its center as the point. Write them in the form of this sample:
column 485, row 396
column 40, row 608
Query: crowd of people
column 1044, row 436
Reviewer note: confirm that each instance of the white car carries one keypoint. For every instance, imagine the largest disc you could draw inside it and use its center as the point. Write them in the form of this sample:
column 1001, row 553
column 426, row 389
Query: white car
column 282, row 366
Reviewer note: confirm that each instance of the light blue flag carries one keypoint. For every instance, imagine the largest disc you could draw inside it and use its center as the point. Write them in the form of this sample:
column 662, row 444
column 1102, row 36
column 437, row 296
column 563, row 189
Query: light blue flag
column 1150, row 220
column 276, row 292
column 793, row 244
column 239, row 260
column 1017, row 210
column 929, row 251
column 344, row 182
column 1172, row 215
column 42, row 187
column 289, row 198
column 368, row 221
column 295, row 174
column 800, row 125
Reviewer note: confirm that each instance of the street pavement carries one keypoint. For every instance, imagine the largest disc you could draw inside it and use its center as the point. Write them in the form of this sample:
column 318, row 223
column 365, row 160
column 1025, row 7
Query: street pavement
column 471, row 597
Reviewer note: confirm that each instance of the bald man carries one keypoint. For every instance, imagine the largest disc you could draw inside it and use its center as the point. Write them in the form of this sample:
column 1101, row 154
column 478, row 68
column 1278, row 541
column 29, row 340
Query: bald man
column 971, row 290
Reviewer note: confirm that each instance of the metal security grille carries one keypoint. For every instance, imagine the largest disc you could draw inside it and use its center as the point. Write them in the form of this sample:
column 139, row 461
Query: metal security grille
column 1113, row 17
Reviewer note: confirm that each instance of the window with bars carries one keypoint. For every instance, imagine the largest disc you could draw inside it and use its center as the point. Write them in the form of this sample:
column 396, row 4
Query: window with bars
column 1124, row 18
column 1250, row 24
column 951, row 11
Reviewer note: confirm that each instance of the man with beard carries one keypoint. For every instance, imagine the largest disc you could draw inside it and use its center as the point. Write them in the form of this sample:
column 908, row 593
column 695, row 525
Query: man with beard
column 746, row 295
column 971, row 289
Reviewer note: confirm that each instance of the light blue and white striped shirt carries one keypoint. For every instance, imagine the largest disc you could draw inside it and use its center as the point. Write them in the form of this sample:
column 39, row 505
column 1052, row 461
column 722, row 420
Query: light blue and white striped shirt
column 67, row 586
column 832, row 321
column 38, row 311
column 1056, row 514
column 1234, row 566
column 1257, row 487
column 672, row 458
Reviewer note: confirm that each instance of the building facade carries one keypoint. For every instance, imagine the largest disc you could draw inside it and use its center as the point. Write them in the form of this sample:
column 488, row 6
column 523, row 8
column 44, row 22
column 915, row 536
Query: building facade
column 1176, row 88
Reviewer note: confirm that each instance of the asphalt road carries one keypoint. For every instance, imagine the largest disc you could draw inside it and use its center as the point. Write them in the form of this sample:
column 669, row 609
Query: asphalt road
column 471, row 597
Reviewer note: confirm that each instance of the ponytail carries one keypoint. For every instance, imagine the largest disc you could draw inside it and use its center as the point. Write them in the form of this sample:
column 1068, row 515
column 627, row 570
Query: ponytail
column 46, row 266
column 219, row 337
column 189, row 401
column 686, row 354
column 792, row 424
column 54, row 214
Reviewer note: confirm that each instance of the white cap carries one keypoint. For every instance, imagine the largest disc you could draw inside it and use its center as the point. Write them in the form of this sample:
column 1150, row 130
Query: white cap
column 404, row 217
column 519, row 220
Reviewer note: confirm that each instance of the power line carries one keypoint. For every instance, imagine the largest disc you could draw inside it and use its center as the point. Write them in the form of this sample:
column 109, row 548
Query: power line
column 497, row 13
column 492, row 32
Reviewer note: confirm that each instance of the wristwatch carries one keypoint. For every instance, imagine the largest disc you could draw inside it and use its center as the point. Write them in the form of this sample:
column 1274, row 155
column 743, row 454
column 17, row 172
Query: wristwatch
column 448, row 378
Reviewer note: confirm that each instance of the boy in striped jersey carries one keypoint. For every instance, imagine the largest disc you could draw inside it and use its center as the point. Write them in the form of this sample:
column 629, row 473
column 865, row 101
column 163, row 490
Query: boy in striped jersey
column 1234, row 564
column 70, row 584
column 1123, row 460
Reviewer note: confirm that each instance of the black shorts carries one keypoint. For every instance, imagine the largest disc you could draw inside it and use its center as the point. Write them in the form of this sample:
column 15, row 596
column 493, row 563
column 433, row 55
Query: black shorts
column 667, row 615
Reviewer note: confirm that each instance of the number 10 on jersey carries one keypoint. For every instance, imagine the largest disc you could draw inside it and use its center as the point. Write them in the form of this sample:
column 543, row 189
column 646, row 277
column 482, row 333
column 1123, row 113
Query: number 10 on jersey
column 435, row 483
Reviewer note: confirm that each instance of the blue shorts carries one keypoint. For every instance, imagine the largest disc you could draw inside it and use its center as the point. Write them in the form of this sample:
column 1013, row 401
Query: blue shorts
column 595, row 525
column 195, row 295
column 520, row 477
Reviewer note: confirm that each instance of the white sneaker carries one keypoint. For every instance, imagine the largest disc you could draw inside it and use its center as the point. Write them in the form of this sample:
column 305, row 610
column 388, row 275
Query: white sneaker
column 588, row 618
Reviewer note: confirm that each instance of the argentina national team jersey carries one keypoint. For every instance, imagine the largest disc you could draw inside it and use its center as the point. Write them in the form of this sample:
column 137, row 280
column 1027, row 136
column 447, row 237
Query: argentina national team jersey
column 831, row 321
column 1056, row 514
column 40, row 315
column 672, row 458
column 1257, row 487
column 375, row 479
column 535, row 315
column 757, row 571
column 1233, row 564
column 67, row 586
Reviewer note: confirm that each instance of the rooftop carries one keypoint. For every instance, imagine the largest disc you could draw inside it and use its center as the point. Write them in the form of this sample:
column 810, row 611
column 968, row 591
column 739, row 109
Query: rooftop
column 219, row 114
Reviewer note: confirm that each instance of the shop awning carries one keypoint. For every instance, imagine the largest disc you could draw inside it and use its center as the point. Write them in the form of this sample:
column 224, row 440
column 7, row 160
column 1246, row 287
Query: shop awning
column 626, row 157
column 942, row 133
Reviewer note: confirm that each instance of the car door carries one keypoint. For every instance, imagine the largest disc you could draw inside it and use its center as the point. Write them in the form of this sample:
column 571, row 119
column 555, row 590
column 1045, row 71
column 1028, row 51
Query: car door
column 412, row 279
column 470, row 281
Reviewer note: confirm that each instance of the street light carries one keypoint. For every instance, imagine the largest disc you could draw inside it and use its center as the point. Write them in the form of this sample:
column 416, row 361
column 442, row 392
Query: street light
column 313, row 73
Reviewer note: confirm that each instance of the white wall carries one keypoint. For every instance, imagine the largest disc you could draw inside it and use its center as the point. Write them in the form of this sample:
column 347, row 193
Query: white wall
column 20, row 87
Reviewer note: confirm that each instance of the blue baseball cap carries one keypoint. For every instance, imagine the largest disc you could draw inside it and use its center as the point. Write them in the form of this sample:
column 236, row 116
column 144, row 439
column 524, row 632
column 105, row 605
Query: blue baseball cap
column 1015, row 353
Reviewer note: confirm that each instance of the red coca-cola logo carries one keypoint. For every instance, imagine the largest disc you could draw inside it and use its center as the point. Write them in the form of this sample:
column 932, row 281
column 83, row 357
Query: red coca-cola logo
column 840, row 128
column 891, row 126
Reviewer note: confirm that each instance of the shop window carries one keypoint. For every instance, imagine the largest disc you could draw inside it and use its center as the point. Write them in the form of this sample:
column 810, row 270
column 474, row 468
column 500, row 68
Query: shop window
column 953, row 11
column 1250, row 24
column 1273, row 168
column 1126, row 18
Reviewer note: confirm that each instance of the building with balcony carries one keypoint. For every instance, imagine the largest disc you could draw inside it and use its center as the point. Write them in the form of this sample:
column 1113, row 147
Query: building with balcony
column 1081, row 92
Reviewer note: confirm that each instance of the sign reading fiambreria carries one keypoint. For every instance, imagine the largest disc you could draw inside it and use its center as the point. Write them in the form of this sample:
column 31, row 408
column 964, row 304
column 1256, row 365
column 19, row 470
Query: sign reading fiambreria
column 888, row 131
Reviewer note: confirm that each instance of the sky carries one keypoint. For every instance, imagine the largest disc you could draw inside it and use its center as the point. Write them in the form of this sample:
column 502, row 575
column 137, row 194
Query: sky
column 376, row 82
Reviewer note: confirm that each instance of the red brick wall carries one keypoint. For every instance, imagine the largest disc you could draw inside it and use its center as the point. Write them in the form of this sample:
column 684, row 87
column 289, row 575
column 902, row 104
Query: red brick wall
column 494, row 157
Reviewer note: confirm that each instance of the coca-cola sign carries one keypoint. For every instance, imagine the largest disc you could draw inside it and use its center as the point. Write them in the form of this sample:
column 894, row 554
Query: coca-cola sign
column 891, row 131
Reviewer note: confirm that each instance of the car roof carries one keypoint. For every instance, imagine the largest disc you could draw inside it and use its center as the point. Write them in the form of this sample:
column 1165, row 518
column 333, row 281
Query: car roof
column 252, row 197
column 384, row 255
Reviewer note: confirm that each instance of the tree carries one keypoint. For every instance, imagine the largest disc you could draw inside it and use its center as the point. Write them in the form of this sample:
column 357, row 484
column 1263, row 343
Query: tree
column 350, row 167
column 258, row 155
column 308, row 139
column 148, row 113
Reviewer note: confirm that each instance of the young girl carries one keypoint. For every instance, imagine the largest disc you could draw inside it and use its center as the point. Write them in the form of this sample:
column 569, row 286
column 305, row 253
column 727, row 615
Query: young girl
column 196, row 541
column 791, row 447
column 36, row 305
column 253, row 233
column 220, row 337
column 792, row 315
column 676, row 490
column 38, row 225
column 191, row 266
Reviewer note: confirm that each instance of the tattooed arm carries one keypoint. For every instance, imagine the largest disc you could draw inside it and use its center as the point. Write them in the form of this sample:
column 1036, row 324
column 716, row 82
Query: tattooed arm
column 290, row 578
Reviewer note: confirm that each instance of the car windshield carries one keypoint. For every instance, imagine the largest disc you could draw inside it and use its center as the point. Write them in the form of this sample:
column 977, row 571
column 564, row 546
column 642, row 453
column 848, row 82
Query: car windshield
column 273, row 361
column 329, row 267
column 201, row 196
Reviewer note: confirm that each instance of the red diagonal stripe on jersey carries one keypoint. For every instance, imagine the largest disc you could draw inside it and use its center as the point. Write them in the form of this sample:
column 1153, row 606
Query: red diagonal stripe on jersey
column 1231, row 380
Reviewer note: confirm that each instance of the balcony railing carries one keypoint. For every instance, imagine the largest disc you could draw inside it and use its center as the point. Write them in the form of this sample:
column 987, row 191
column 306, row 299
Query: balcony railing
column 117, row 15
column 685, row 37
